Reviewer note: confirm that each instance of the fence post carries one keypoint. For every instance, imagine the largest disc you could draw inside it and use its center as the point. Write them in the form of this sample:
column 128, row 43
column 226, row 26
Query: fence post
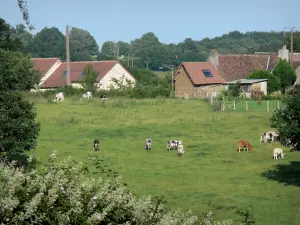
column 278, row 107
column 268, row 106
column 246, row 105
column 223, row 106
column 233, row 105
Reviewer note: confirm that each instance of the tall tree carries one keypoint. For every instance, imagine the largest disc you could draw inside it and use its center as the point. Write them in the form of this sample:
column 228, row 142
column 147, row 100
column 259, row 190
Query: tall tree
column 296, row 41
column 83, row 46
column 286, row 74
column 7, row 39
column 49, row 42
column 23, row 7
column 25, row 36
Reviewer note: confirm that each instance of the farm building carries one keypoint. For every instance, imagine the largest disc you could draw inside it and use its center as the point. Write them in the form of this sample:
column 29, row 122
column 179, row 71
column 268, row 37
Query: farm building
column 53, row 73
column 197, row 80
column 248, row 85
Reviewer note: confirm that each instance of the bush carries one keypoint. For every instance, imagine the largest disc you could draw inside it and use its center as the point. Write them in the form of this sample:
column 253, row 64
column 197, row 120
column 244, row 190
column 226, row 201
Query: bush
column 273, row 81
column 287, row 120
column 64, row 193
column 287, row 75
column 257, row 95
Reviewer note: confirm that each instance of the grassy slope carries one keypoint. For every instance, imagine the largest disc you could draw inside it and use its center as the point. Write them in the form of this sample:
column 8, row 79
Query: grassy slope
column 210, row 175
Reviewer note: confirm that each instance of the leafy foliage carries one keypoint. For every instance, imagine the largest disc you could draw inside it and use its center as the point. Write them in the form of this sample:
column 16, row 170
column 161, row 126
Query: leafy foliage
column 296, row 41
column 234, row 90
column 49, row 42
column 287, row 120
column 89, row 79
column 7, row 41
column 83, row 46
column 273, row 81
column 23, row 7
column 18, row 130
column 16, row 72
column 64, row 193
column 286, row 74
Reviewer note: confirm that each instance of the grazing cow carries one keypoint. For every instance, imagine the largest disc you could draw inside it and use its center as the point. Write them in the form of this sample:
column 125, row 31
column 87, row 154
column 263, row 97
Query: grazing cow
column 244, row 144
column 148, row 144
column 277, row 152
column 270, row 136
column 96, row 145
column 59, row 97
column 172, row 145
column 180, row 149
column 87, row 95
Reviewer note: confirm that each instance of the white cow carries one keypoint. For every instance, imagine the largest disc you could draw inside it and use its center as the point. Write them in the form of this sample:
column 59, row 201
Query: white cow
column 87, row 95
column 270, row 136
column 277, row 152
column 148, row 144
column 172, row 145
column 59, row 97
column 180, row 149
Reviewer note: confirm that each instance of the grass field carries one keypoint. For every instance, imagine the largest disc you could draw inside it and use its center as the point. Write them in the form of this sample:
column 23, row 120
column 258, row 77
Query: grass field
column 211, row 175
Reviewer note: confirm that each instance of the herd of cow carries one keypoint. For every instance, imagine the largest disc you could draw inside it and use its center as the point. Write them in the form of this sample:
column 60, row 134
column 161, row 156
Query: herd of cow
column 266, row 137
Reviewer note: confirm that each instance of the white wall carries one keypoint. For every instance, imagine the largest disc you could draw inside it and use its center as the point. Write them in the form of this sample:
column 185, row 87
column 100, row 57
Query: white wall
column 264, row 87
column 117, row 72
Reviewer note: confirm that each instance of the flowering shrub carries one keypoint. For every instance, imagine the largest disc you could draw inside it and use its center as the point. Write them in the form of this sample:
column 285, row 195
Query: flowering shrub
column 64, row 193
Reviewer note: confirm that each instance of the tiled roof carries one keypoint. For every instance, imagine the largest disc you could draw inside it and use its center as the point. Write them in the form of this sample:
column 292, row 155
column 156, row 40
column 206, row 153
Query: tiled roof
column 295, row 57
column 194, row 70
column 247, row 81
column 58, row 78
column 234, row 67
column 43, row 64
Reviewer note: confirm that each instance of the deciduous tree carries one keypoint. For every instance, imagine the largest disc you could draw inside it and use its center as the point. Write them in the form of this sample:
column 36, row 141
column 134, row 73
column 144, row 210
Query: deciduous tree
column 286, row 74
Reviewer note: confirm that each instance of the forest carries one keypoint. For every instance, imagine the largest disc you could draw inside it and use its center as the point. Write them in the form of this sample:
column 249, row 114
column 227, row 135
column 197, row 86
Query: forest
column 145, row 51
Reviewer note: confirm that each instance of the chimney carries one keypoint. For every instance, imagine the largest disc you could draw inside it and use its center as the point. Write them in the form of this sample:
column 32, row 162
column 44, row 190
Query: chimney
column 283, row 53
column 213, row 57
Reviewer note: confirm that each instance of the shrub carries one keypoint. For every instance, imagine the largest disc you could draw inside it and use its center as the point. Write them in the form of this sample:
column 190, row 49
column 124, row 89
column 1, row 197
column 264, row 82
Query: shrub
column 273, row 81
column 257, row 95
column 64, row 193
column 287, row 75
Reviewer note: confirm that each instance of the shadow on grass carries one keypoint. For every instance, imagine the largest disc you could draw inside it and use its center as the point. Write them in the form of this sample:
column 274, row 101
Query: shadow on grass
column 287, row 174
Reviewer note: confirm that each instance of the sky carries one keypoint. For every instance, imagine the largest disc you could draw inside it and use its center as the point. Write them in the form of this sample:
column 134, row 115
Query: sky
column 170, row 20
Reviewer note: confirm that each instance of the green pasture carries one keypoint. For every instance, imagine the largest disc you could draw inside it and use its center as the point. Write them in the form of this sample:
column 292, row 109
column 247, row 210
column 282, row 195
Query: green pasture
column 211, row 175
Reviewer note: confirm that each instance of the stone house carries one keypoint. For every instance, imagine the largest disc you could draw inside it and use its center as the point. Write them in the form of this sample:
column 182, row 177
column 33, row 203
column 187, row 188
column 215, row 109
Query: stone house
column 197, row 80
column 53, row 73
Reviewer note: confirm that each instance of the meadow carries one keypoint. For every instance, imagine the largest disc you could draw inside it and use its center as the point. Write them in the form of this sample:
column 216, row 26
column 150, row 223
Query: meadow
column 211, row 175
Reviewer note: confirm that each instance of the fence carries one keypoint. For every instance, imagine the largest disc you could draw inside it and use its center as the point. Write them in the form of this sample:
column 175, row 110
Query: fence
column 245, row 106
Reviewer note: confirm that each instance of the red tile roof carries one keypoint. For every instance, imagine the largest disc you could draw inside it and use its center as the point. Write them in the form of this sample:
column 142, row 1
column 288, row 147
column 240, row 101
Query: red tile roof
column 194, row 70
column 58, row 79
column 234, row 67
column 43, row 64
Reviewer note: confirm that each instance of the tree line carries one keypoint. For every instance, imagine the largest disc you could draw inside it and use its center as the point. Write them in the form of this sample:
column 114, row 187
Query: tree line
column 148, row 50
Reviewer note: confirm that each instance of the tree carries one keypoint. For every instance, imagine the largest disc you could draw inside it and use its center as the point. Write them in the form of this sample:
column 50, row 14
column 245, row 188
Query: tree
column 273, row 81
column 83, row 46
column 286, row 74
column 296, row 41
column 49, row 42
column 7, row 40
column 25, row 37
column 17, row 73
column 287, row 120
column 89, row 78
column 18, row 130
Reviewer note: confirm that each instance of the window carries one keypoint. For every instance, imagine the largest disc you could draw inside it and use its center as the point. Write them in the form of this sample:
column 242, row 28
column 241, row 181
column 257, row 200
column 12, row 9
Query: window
column 207, row 73
column 65, row 73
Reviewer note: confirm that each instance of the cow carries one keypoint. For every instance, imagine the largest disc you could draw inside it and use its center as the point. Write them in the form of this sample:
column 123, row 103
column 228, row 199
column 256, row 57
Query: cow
column 180, row 149
column 148, row 144
column 270, row 136
column 244, row 144
column 172, row 145
column 59, row 97
column 96, row 145
column 87, row 95
column 277, row 152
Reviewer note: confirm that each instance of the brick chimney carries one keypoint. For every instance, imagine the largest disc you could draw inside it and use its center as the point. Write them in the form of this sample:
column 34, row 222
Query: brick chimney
column 213, row 57
column 283, row 53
